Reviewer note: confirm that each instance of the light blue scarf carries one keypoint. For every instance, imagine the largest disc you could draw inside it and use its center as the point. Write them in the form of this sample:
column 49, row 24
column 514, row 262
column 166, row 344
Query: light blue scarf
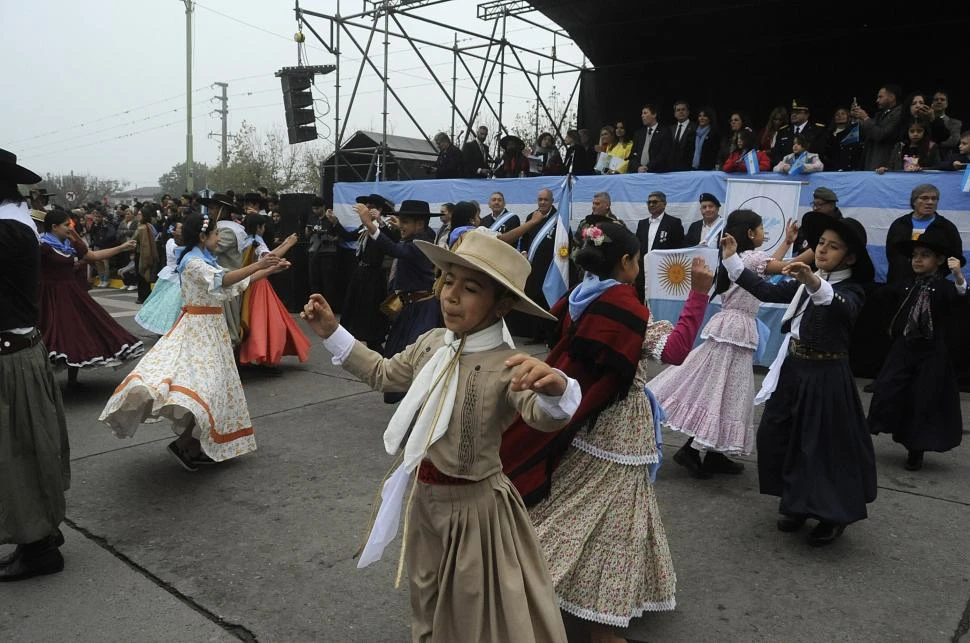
column 62, row 246
column 198, row 252
column 659, row 417
column 698, row 145
column 587, row 292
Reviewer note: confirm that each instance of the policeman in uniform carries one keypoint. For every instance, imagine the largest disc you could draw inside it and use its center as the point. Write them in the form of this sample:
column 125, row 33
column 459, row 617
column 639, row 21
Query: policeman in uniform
column 816, row 134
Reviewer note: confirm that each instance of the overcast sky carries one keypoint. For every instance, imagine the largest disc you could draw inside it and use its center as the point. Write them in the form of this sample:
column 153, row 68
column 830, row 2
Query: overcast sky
column 102, row 82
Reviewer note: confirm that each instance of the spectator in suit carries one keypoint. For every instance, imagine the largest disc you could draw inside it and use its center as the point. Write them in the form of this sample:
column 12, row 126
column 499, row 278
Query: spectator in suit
column 448, row 165
column 601, row 212
column 705, row 140
column 924, row 199
column 682, row 132
column 881, row 131
column 844, row 155
column 736, row 123
column 705, row 232
column 659, row 231
column 941, row 101
column 579, row 161
column 475, row 157
column 652, row 145
column 777, row 122
column 444, row 214
column 921, row 112
column 815, row 135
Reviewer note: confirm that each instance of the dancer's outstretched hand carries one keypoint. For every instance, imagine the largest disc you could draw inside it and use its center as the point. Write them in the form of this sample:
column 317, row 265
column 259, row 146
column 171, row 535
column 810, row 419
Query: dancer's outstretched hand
column 701, row 277
column 729, row 245
column 800, row 271
column 268, row 260
column 531, row 374
column 319, row 316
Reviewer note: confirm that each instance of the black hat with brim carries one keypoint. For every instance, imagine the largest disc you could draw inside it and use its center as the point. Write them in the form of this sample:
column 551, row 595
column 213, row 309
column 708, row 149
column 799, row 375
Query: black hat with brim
column 852, row 233
column 504, row 142
column 936, row 241
column 376, row 199
column 220, row 201
column 11, row 171
column 414, row 210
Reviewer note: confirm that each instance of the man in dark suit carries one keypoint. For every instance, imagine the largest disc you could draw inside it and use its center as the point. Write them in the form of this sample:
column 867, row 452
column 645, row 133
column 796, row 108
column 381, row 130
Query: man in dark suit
column 474, row 153
column 684, row 133
column 706, row 230
column 652, row 145
column 816, row 134
column 659, row 231
column 449, row 164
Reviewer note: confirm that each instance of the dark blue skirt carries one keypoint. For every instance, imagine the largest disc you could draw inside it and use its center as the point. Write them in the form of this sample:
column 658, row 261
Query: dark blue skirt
column 413, row 321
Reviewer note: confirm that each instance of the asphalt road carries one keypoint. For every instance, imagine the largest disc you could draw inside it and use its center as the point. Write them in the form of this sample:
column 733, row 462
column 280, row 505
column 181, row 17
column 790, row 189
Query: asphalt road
column 260, row 548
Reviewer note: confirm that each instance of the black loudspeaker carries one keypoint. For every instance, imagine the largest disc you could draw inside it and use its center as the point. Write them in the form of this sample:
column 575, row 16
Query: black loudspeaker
column 293, row 286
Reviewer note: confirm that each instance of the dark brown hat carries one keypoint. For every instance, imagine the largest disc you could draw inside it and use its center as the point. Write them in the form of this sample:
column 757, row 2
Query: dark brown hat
column 10, row 171
column 415, row 210
column 220, row 201
column 851, row 231
column 386, row 206
column 935, row 240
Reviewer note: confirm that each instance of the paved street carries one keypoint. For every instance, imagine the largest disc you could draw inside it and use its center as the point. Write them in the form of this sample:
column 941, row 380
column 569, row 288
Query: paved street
column 260, row 548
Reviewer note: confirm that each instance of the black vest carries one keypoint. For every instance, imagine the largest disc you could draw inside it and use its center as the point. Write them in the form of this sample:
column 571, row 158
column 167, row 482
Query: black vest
column 19, row 275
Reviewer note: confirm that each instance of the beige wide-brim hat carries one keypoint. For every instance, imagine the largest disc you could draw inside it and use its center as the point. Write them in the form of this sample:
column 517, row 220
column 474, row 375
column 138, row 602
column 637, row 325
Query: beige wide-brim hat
column 487, row 254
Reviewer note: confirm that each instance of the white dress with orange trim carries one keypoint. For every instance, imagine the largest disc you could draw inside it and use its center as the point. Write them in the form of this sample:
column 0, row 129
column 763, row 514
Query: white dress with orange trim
column 190, row 373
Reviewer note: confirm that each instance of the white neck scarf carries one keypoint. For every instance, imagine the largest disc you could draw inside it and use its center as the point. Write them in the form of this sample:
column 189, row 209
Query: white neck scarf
column 18, row 212
column 774, row 371
column 426, row 411
column 427, row 407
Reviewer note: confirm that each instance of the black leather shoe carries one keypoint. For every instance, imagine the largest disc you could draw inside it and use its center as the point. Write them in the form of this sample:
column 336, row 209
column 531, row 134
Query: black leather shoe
column 54, row 541
column 25, row 566
column 914, row 460
column 824, row 533
column 691, row 460
column 715, row 462
column 789, row 524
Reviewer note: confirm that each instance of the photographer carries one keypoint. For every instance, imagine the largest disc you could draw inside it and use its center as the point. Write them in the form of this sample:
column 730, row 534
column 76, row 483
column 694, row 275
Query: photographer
column 323, row 232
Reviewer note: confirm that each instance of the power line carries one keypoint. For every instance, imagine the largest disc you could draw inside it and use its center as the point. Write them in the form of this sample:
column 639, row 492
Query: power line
column 113, row 138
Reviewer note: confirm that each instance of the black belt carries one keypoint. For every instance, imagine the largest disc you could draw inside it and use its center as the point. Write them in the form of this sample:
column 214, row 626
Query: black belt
column 13, row 342
column 414, row 296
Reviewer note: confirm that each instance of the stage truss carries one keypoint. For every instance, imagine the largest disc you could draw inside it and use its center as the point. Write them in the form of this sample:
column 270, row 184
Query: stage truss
column 486, row 59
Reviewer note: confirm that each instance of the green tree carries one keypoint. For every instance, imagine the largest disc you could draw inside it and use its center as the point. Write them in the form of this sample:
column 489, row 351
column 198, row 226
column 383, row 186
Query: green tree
column 175, row 181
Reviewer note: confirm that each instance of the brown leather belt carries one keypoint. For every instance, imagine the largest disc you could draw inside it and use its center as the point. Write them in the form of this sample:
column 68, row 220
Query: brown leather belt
column 414, row 296
column 801, row 351
column 12, row 342
column 202, row 310
column 429, row 474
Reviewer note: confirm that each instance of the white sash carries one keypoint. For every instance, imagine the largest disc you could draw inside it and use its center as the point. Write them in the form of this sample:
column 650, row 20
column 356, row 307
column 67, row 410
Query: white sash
column 543, row 231
column 495, row 227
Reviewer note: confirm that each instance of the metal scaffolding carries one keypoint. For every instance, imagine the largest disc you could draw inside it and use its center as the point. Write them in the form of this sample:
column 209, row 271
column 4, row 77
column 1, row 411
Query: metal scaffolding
column 478, row 58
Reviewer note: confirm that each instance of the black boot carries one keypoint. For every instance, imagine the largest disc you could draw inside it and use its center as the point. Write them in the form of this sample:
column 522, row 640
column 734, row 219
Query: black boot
column 914, row 460
column 715, row 462
column 824, row 533
column 789, row 523
column 55, row 540
column 689, row 458
column 35, row 559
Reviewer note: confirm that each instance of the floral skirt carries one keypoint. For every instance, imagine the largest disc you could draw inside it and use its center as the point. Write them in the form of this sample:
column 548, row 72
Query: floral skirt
column 604, row 542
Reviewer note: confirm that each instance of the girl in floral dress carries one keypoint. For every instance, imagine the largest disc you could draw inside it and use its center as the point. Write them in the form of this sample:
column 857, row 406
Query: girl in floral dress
column 598, row 522
column 709, row 397
column 189, row 376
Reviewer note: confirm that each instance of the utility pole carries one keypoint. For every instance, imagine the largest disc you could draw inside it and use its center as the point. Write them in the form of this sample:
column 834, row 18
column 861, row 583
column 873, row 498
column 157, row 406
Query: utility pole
column 189, row 165
column 224, row 112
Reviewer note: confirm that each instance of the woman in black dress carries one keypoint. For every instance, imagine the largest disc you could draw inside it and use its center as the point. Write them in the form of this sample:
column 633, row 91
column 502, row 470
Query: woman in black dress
column 814, row 447
column 916, row 397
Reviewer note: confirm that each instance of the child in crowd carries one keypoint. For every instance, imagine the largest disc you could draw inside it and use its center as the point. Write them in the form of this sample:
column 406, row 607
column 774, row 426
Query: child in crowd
column 957, row 160
column 742, row 144
column 269, row 332
column 800, row 161
column 915, row 397
column 814, row 447
column 916, row 153
column 599, row 524
column 190, row 375
column 709, row 397
column 161, row 309
column 476, row 570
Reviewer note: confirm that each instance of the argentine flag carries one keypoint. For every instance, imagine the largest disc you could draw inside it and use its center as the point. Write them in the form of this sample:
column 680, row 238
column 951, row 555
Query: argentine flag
column 556, row 283
column 965, row 181
column 852, row 136
column 798, row 164
column 751, row 161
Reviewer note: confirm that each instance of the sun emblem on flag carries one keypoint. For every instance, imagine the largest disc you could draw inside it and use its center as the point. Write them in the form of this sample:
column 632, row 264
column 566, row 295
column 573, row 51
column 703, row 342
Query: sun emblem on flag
column 563, row 252
column 675, row 274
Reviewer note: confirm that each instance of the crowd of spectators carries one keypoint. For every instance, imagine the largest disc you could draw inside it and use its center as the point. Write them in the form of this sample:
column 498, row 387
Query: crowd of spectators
column 151, row 224
column 903, row 133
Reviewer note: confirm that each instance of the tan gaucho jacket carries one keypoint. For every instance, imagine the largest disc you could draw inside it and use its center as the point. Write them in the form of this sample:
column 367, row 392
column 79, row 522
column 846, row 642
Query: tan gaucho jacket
column 484, row 406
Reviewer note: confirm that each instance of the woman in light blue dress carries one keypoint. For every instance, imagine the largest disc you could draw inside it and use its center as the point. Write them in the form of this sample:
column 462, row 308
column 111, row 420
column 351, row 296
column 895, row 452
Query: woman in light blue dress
column 164, row 304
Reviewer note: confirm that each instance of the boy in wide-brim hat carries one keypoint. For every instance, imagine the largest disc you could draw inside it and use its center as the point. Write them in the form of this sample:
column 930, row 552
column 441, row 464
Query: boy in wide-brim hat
column 36, row 469
column 916, row 397
column 814, row 447
column 465, row 525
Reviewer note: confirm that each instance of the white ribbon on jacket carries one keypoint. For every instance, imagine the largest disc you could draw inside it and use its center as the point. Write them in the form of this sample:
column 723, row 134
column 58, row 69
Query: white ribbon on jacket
column 426, row 410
